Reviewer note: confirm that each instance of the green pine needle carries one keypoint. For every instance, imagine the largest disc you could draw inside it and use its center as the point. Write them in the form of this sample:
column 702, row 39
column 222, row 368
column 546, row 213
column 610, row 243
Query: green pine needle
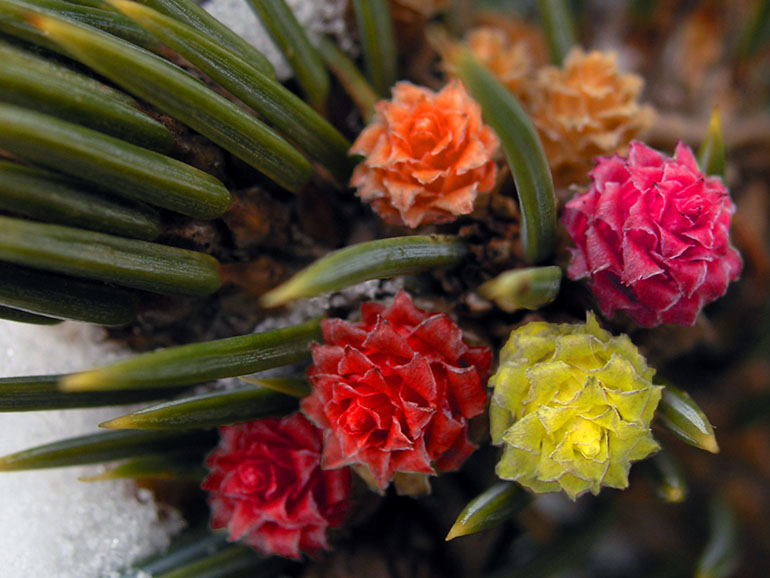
column 379, row 259
column 201, row 362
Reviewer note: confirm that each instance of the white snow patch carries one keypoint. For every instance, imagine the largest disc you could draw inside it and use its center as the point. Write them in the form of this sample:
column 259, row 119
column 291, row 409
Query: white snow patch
column 51, row 524
column 316, row 16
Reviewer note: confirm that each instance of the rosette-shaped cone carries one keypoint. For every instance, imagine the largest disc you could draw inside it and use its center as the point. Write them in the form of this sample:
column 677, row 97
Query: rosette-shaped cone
column 585, row 109
column 572, row 406
column 652, row 236
column 394, row 392
column 511, row 50
column 426, row 156
column 267, row 487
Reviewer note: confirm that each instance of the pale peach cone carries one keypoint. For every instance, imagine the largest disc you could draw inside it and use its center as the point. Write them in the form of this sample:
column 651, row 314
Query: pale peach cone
column 586, row 109
column 509, row 61
column 427, row 156
column 511, row 49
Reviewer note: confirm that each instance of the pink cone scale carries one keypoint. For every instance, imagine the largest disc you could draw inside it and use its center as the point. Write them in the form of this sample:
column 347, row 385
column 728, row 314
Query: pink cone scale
column 652, row 236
